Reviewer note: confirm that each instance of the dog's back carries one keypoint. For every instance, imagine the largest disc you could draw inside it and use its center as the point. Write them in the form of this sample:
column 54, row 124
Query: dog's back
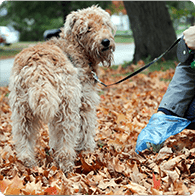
column 37, row 76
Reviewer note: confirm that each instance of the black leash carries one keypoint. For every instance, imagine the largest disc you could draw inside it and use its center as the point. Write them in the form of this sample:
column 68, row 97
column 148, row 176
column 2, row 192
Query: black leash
column 139, row 70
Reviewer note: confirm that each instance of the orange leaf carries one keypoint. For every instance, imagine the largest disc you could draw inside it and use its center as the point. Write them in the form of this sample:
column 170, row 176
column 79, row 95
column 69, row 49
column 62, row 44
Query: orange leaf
column 15, row 186
column 120, row 117
column 3, row 185
column 52, row 191
column 76, row 190
column 102, row 97
column 156, row 182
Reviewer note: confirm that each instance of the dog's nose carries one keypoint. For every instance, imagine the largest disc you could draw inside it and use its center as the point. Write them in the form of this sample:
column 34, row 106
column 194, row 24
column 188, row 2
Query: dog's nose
column 105, row 42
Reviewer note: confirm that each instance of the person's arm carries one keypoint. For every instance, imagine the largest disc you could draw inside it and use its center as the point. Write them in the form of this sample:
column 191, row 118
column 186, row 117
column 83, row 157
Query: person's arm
column 189, row 37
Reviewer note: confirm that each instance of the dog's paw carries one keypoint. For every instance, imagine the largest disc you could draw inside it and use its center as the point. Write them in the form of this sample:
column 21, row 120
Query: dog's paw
column 88, row 146
column 28, row 161
column 65, row 161
column 66, row 166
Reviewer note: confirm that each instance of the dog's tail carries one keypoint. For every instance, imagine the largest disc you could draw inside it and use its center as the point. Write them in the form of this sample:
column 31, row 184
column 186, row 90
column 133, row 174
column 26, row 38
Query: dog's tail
column 44, row 101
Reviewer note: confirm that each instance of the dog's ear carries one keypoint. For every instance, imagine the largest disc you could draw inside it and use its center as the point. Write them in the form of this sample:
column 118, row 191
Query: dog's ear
column 110, row 24
column 69, row 23
column 113, row 27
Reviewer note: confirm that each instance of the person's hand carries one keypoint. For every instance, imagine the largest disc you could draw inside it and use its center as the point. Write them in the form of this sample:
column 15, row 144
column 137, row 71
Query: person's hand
column 189, row 37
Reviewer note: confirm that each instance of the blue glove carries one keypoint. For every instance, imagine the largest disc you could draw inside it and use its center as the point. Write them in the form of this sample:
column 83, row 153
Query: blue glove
column 159, row 128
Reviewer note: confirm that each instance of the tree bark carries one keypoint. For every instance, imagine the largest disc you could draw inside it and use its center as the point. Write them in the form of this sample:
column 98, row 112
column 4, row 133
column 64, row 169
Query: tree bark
column 192, row 19
column 66, row 8
column 152, row 29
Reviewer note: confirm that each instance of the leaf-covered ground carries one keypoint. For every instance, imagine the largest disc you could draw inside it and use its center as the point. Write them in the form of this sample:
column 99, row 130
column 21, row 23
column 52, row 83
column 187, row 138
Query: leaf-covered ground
column 113, row 168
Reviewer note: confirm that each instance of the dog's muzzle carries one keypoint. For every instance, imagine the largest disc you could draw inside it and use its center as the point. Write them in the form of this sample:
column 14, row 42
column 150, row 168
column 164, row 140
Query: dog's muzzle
column 106, row 44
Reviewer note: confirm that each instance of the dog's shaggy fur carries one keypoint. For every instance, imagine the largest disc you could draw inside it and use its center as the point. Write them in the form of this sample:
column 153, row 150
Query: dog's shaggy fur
column 52, row 83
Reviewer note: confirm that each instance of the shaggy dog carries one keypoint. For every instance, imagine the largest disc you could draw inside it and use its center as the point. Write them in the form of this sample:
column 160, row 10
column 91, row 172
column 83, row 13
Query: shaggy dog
column 53, row 83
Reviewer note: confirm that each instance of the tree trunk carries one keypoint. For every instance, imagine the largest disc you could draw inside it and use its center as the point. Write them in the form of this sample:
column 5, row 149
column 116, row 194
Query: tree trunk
column 192, row 19
column 152, row 29
column 66, row 8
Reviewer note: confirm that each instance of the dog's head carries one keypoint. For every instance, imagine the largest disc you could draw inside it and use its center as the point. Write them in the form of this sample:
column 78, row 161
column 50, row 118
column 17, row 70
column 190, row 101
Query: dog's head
column 93, row 30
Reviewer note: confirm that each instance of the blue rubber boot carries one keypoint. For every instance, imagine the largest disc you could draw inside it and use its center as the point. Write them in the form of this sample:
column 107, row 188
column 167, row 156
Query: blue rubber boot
column 159, row 128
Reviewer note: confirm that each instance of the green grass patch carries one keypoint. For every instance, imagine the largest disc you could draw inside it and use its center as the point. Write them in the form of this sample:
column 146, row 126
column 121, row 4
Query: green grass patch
column 182, row 28
column 123, row 39
column 101, row 93
column 161, row 65
column 8, row 53
column 127, row 32
column 13, row 49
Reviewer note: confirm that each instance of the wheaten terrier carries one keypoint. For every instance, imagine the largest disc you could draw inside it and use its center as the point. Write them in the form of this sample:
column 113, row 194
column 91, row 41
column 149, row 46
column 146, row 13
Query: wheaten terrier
column 53, row 83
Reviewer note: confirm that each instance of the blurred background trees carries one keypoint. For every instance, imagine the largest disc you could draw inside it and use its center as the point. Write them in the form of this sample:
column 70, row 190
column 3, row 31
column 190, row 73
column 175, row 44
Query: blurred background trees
column 32, row 18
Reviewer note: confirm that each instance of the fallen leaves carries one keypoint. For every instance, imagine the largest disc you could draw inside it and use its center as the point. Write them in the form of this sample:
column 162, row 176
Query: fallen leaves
column 113, row 168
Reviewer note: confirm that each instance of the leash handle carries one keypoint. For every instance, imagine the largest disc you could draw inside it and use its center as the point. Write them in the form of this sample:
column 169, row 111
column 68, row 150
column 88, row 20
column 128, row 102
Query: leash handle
column 185, row 54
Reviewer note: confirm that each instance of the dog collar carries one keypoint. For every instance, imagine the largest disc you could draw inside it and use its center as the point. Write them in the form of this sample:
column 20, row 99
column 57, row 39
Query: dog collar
column 71, row 60
column 93, row 73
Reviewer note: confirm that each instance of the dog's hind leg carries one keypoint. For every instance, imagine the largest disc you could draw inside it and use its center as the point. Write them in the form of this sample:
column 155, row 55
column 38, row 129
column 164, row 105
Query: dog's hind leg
column 63, row 133
column 25, row 125
column 64, row 128
column 24, row 129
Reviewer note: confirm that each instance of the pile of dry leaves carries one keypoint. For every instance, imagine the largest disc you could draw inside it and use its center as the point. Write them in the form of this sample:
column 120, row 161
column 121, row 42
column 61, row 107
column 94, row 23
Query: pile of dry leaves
column 113, row 168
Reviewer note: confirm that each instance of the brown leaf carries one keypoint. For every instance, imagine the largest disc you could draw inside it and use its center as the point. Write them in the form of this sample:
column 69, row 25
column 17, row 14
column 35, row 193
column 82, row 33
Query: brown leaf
column 164, row 153
column 104, row 184
column 120, row 117
column 115, row 142
column 181, row 188
column 118, row 165
column 136, row 176
column 16, row 184
column 136, row 188
column 169, row 165
column 156, row 192
column 33, row 188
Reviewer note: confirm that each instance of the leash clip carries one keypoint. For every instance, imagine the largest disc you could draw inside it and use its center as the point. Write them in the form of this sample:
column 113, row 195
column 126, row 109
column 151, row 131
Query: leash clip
column 97, row 79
